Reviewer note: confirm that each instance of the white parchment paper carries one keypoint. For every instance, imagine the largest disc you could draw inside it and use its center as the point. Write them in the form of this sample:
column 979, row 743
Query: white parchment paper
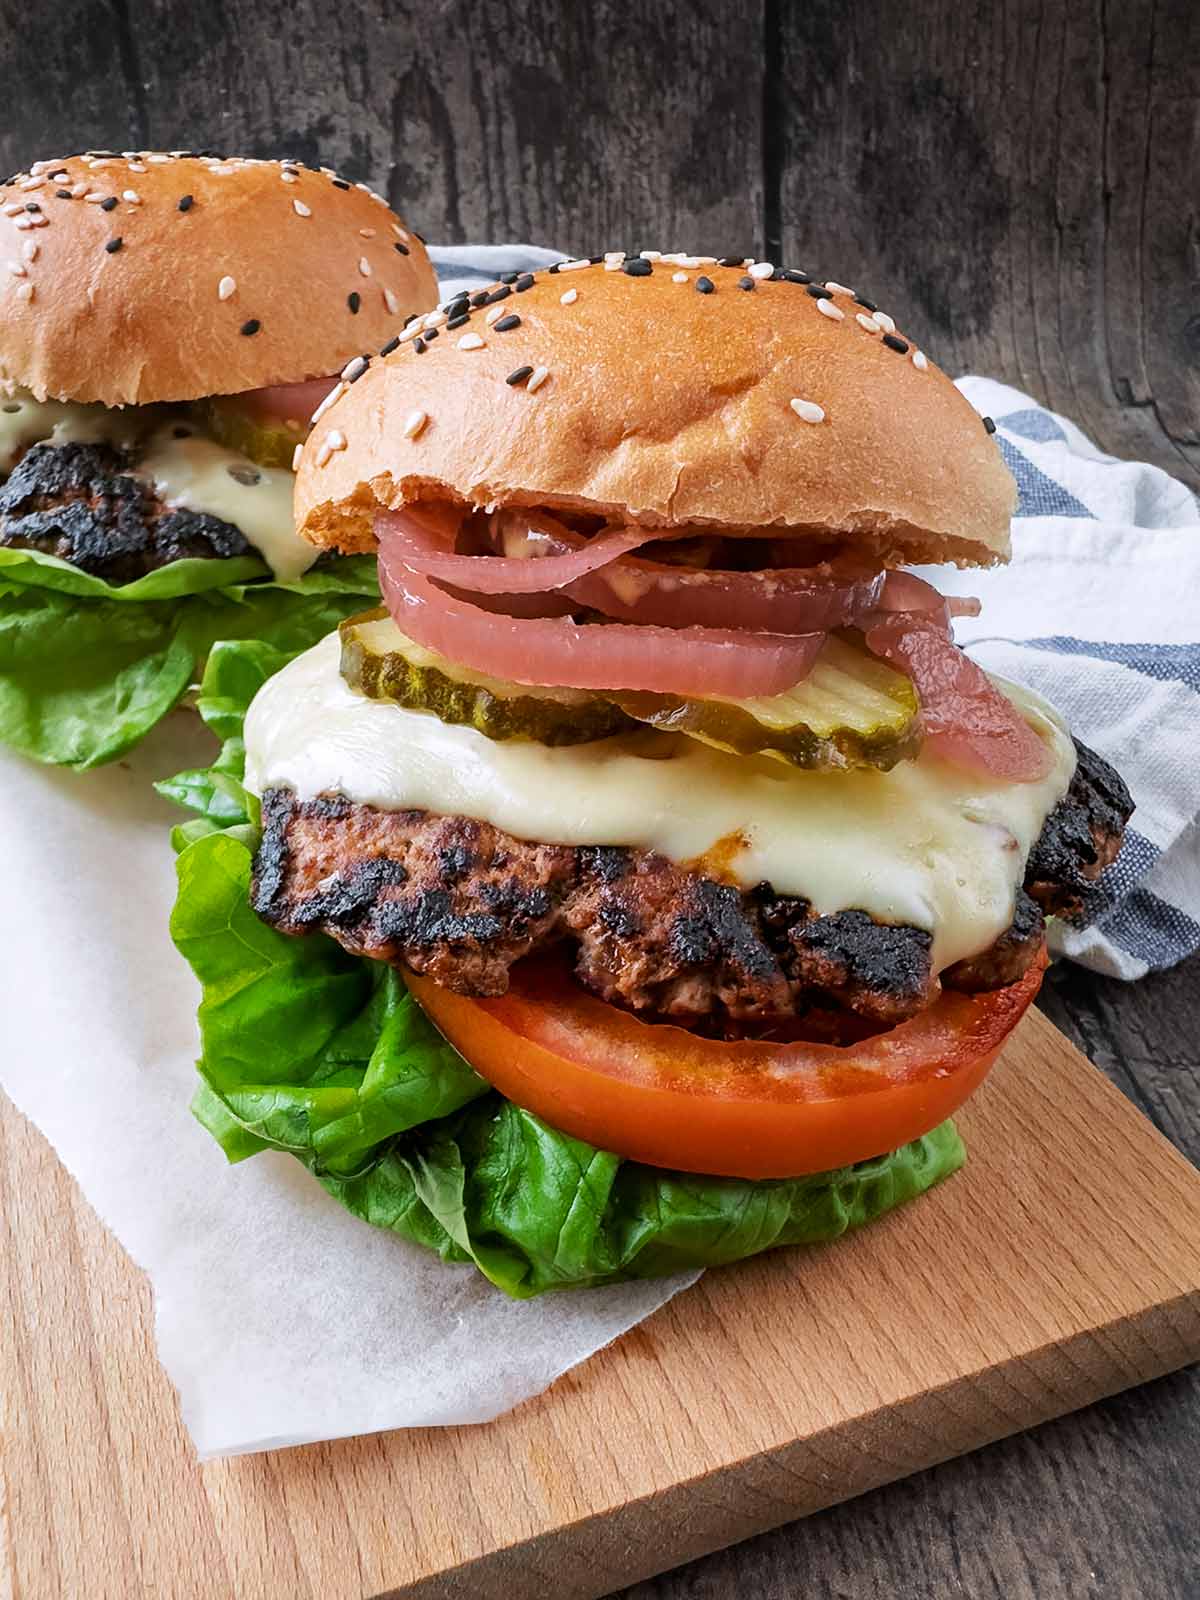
column 280, row 1318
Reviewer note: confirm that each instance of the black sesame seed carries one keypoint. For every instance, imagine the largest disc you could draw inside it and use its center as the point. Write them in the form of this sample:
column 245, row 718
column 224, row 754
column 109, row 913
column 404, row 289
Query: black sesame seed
column 502, row 293
column 518, row 375
column 110, row 204
column 731, row 261
column 746, row 283
column 705, row 285
column 340, row 183
column 392, row 344
column 869, row 305
column 509, row 277
column 432, row 334
column 411, row 317
column 893, row 343
column 251, row 327
column 554, row 269
column 818, row 291
column 480, row 298
column 420, row 238
column 794, row 275
column 32, row 205
column 637, row 268
column 358, row 371
column 63, row 194
column 186, row 203
column 354, row 300
column 988, row 425
column 525, row 281
column 59, row 172
column 401, row 249
column 419, row 346
column 457, row 322
column 113, row 245
column 505, row 323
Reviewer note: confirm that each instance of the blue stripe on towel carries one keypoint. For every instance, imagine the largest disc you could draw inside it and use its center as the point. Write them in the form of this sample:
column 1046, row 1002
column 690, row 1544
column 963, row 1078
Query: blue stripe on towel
column 1040, row 495
column 1169, row 663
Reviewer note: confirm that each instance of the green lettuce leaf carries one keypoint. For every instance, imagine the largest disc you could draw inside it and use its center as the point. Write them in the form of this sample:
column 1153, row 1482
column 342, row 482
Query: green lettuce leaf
column 307, row 1049
column 87, row 668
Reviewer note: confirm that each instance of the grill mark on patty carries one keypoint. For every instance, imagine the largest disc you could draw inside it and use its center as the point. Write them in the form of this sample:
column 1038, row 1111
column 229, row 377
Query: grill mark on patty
column 80, row 502
column 461, row 901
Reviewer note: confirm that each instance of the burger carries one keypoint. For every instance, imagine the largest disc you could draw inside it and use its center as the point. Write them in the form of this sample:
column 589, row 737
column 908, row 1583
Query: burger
column 169, row 323
column 648, row 881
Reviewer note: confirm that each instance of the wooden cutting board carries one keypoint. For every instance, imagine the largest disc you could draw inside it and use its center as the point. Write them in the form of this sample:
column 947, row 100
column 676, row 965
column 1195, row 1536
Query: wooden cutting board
column 1062, row 1265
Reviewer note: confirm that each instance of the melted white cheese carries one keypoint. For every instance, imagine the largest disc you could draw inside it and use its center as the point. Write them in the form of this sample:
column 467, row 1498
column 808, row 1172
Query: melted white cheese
column 193, row 474
column 925, row 844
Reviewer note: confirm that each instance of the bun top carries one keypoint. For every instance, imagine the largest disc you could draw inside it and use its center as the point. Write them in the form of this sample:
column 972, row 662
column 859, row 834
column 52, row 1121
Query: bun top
column 146, row 276
column 667, row 390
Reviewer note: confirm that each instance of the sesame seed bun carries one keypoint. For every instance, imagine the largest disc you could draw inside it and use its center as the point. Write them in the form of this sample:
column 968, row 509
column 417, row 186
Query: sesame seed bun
column 683, row 392
column 148, row 277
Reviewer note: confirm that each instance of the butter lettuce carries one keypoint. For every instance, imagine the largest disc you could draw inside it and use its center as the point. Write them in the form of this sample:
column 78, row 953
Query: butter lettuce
column 87, row 668
column 324, row 1055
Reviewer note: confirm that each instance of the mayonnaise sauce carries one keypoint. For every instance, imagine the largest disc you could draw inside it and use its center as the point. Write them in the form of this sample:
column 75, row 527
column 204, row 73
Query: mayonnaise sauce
column 194, row 473
column 926, row 844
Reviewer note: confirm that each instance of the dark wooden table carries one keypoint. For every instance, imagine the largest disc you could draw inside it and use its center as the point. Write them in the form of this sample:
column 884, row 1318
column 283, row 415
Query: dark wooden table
column 1020, row 177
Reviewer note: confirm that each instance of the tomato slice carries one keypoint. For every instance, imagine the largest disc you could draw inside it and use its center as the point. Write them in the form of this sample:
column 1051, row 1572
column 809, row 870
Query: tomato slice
column 748, row 1109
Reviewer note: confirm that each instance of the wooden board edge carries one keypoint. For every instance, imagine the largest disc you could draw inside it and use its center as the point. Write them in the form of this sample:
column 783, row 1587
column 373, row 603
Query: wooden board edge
column 590, row 1558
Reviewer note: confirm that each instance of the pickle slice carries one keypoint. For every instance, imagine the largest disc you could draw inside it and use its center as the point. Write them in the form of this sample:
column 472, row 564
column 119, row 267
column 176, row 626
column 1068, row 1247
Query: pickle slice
column 270, row 444
column 850, row 711
column 384, row 664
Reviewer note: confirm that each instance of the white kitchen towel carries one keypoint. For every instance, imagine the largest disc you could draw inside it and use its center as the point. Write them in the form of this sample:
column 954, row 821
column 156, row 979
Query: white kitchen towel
column 1099, row 610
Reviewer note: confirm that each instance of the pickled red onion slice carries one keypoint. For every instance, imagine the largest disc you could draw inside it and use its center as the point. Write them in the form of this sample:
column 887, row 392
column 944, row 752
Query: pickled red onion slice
column 559, row 653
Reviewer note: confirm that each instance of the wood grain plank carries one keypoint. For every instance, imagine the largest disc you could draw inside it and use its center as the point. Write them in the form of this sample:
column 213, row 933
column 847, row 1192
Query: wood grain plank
column 1035, row 1282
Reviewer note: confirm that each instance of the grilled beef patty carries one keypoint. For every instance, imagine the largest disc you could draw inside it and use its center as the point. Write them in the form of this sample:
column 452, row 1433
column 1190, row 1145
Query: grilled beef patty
column 461, row 901
column 80, row 503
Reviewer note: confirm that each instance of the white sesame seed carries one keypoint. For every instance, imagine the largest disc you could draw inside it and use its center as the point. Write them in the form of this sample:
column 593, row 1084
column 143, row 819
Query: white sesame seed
column 13, row 209
column 614, row 255
column 411, row 332
column 40, row 221
column 132, row 196
column 651, row 255
column 288, row 177
column 495, row 314
column 158, row 159
column 866, row 322
column 17, row 270
column 434, row 319
column 704, row 261
column 838, row 288
column 301, row 209
column 920, row 360
column 30, row 249
column 399, row 232
column 36, row 167
column 828, row 309
column 365, row 187
column 364, row 266
column 537, row 378
column 679, row 277
column 761, row 269
column 808, row 410
column 22, row 224
column 613, row 265
column 413, row 423
column 220, row 171
column 573, row 266
column 391, row 302
column 335, row 393
column 323, row 455
column 335, row 439
column 78, row 190
column 352, row 368
column 884, row 321
column 94, row 198
column 137, row 166
column 366, row 233
column 96, row 162
column 569, row 298
column 470, row 341
column 31, row 183
column 296, row 454
column 24, row 291
column 226, row 287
